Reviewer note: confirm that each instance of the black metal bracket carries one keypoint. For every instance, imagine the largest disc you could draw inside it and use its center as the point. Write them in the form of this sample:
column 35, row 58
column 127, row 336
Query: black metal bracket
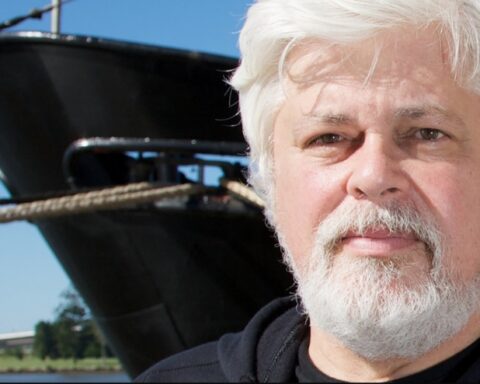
column 170, row 153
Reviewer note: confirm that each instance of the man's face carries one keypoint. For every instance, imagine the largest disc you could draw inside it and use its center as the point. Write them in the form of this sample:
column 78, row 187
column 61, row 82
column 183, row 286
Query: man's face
column 405, row 135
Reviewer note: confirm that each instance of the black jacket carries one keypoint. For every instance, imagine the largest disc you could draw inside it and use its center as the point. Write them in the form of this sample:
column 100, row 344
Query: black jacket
column 267, row 349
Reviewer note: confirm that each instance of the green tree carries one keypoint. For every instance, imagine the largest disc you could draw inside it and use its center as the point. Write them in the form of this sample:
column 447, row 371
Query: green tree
column 90, row 343
column 73, row 333
column 72, row 308
column 70, row 320
column 66, row 338
column 44, row 343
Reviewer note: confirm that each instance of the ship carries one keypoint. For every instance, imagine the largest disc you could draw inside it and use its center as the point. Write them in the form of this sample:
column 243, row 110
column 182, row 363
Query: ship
column 81, row 115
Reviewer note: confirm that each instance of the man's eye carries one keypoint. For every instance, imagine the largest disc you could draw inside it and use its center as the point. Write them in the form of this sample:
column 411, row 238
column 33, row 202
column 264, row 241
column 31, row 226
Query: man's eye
column 328, row 138
column 429, row 134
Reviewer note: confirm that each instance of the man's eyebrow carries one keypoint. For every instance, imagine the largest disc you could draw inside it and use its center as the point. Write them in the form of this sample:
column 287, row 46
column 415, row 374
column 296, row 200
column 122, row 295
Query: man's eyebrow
column 310, row 120
column 417, row 112
column 331, row 118
column 408, row 112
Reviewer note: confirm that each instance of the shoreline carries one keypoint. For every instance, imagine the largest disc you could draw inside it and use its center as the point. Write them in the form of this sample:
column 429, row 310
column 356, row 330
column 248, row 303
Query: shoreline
column 32, row 365
column 69, row 371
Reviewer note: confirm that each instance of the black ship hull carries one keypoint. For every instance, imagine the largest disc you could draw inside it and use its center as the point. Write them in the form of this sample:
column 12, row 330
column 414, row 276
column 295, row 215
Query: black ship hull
column 158, row 278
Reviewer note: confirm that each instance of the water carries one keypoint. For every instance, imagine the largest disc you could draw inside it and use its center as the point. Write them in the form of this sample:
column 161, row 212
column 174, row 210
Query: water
column 117, row 377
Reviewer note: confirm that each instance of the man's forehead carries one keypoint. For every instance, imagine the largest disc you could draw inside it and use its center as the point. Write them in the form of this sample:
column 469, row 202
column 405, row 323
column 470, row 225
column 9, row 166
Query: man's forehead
column 399, row 53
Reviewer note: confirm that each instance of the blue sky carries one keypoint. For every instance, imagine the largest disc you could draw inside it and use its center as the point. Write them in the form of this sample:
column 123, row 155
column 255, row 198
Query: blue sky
column 31, row 279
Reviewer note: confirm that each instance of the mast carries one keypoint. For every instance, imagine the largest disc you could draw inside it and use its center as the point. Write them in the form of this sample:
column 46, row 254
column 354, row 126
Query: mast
column 56, row 11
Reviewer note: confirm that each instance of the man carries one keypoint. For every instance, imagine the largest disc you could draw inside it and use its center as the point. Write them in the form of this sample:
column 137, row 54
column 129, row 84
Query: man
column 363, row 121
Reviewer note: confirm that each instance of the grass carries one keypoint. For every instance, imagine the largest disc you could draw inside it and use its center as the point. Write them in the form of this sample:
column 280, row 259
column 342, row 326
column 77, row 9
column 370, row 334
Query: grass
column 9, row 364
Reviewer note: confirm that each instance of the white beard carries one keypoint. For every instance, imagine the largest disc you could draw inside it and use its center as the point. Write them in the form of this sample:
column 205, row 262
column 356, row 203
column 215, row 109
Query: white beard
column 382, row 309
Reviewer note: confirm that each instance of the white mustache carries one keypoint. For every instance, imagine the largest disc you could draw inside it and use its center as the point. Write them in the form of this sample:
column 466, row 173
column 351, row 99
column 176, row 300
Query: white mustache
column 395, row 217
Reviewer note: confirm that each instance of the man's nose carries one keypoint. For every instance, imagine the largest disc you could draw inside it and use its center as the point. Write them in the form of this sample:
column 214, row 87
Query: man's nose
column 377, row 174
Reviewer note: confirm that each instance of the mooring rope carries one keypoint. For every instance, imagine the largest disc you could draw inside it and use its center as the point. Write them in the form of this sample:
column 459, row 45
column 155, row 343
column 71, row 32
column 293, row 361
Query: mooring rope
column 243, row 192
column 105, row 199
column 114, row 198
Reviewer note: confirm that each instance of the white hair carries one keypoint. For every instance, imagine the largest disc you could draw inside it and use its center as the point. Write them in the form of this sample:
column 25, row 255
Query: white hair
column 273, row 27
